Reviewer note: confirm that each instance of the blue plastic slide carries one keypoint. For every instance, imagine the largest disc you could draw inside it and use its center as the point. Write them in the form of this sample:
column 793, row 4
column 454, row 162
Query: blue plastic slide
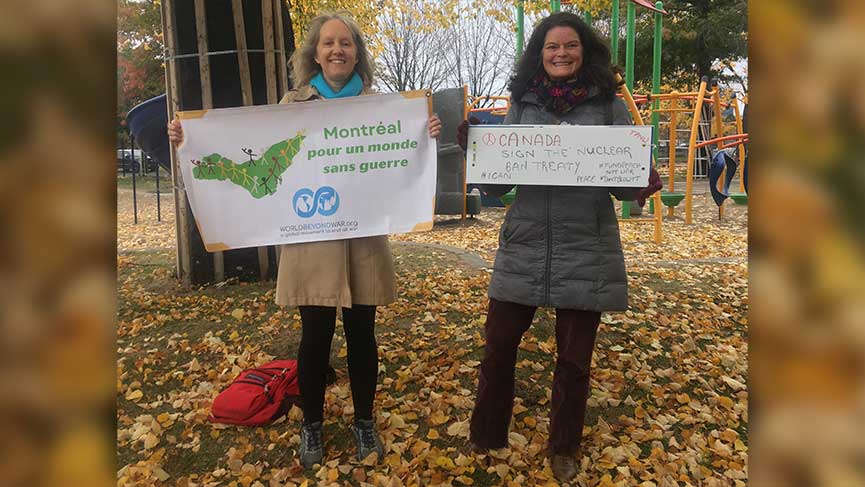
column 721, row 159
column 147, row 122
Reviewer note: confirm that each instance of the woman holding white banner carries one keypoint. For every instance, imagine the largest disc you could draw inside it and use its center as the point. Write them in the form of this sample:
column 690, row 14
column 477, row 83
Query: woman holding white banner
column 559, row 246
column 353, row 274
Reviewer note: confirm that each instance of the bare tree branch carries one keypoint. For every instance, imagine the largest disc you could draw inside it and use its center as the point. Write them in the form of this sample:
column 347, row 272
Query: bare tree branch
column 412, row 41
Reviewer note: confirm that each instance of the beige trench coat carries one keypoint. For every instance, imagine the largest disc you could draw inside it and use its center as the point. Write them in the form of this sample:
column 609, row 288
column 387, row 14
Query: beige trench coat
column 336, row 273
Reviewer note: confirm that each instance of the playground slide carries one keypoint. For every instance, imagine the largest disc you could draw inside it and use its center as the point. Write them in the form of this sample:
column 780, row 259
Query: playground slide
column 147, row 122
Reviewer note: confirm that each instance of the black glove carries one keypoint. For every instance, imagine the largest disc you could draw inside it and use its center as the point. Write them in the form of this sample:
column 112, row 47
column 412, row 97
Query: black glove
column 654, row 186
column 463, row 131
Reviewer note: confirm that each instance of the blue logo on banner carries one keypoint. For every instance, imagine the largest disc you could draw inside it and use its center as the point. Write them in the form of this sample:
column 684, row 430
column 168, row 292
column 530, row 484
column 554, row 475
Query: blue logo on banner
column 325, row 201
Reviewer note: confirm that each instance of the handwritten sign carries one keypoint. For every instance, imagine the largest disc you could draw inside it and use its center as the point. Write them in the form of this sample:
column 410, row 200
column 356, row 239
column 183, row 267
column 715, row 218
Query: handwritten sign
column 560, row 155
column 305, row 172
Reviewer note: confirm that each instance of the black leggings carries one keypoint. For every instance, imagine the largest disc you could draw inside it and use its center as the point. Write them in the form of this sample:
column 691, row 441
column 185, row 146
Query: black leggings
column 313, row 357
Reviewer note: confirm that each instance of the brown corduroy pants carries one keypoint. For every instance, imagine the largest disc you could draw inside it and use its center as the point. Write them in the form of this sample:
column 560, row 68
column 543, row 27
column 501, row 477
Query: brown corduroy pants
column 575, row 341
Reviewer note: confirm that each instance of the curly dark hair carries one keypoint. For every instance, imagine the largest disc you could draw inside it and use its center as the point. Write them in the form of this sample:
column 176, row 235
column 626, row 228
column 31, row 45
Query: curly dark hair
column 596, row 70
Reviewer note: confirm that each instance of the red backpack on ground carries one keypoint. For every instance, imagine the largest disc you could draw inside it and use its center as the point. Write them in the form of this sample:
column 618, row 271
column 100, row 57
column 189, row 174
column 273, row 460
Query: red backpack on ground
column 258, row 396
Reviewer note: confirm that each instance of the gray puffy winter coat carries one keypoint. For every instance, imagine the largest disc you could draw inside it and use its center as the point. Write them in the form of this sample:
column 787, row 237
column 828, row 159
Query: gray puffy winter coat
column 559, row 246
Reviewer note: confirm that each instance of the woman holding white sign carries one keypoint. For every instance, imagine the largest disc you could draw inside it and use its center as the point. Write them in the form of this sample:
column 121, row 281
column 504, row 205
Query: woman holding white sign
column 559, row 246
column 353, row 274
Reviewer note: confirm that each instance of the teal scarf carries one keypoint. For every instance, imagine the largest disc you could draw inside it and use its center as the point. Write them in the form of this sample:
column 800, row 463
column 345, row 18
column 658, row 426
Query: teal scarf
column 352, row 88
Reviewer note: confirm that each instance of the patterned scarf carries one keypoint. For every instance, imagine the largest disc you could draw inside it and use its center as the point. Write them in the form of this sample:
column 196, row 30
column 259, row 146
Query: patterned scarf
column 558, row 97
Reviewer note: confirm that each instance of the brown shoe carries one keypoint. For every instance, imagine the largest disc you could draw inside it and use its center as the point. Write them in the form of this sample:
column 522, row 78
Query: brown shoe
column 564, row 467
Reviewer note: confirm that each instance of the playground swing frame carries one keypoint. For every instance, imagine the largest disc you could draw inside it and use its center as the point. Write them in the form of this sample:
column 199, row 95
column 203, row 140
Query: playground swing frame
column 714, row 98
column 671, row 198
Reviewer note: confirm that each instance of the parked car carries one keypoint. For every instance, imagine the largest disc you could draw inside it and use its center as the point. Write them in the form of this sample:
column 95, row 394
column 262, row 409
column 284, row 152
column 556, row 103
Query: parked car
column 126, row 162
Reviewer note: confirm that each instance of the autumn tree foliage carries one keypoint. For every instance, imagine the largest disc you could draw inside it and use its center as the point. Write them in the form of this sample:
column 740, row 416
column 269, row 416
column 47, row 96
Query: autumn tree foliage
column 303, row 11
column 140, row 68
column 448, row 43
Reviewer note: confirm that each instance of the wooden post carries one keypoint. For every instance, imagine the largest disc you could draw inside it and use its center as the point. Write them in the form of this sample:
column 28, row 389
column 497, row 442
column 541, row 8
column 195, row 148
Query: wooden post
column 242, row 54
column 269, row 60
column 282, row 64
column 206, row 102
column 203, row 59
column 270, row 73
column 181, row 208
column 280, row 46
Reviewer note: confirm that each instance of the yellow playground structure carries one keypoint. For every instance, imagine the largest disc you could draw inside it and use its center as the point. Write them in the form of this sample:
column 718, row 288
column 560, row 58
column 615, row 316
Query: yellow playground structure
column 691, row 104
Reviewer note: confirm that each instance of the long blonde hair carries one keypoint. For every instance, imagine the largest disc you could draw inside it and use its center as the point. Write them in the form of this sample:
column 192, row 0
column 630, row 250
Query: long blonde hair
column 303, row 64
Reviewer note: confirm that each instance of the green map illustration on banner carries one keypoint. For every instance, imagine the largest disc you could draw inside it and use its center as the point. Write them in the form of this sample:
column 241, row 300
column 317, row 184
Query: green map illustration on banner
column 260, row 175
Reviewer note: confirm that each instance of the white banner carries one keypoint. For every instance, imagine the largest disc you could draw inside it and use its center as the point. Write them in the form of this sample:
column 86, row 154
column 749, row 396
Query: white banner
column 304, row 172
column 560, row 155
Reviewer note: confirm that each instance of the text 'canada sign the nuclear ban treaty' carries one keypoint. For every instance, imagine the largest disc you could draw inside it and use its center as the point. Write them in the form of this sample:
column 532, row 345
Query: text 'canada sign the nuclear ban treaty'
column 560, row 155
column 310, row 171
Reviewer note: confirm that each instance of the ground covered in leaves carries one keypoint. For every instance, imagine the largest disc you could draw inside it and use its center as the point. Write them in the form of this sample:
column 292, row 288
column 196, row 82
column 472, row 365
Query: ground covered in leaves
column 669, row 404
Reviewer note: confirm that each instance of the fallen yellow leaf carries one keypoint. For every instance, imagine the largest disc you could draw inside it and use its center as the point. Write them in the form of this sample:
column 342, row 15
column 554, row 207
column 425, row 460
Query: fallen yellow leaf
column 371, row 460
column 133, row 395
column 438, row 418
column 150, row 440
column 445, row 462
column 725, row 402
column 396, row 421
column 459, row 429
column 162, row 475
